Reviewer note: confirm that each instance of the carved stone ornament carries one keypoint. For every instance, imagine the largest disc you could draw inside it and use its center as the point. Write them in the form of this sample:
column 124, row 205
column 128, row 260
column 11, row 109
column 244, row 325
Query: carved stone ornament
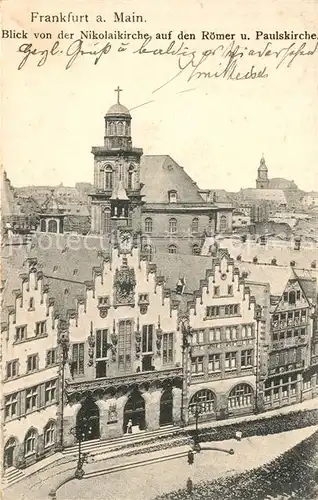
column 137, row 344
column 125, row 283
column 91, row 345
column 112, row 414
column 103, row 311
column 158, row 341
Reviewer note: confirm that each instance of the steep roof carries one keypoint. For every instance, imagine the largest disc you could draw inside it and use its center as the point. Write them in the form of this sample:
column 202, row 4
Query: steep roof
column 276, row 196
column 283, row 251
column 160, row 174
column 9, row 205
column 281, row 183
column 66, row 262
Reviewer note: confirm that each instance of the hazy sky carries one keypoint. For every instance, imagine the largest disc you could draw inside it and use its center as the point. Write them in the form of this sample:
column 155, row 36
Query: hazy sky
column 217, row 129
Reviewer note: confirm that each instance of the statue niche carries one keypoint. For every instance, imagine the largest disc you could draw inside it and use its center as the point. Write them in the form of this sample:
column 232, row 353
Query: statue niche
column 125, row 283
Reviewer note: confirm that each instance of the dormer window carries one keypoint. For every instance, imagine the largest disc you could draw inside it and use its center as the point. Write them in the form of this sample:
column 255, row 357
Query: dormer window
column 172, row 196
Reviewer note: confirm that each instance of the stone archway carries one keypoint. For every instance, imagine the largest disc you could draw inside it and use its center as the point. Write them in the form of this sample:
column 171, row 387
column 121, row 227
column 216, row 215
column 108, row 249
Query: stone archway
column 166, row 407
column 135, row 411
column 9, row 453
column 87, row 420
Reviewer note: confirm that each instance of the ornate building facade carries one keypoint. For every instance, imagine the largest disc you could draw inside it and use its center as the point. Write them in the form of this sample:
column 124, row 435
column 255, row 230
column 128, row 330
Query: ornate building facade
column 150, row 193
column 30, row 370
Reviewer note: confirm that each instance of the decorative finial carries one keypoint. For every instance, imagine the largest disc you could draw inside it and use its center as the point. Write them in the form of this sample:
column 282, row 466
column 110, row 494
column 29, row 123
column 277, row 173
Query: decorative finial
column 118, row 90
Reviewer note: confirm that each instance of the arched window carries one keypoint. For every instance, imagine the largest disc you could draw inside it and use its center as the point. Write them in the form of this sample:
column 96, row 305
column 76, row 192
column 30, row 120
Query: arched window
column 172, row 249
column 49, row 434
column 172, row 225
column 130, row 183
column 240, row 396
column 172, row 196
column 195, row 225
column 30, row 442
column 196, row 249
column 148, row 251
column 106, row 221
column 108, row 177
column 292, row 298
column 43, row 225
column 223, row 223
column 112, row 128
column 120, row 128
column 148, row 225
column 52, row 226
column 203, row 401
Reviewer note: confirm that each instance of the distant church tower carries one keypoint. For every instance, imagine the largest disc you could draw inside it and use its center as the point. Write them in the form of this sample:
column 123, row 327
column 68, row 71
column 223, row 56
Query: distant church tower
column 116, row 200
column 262, row 181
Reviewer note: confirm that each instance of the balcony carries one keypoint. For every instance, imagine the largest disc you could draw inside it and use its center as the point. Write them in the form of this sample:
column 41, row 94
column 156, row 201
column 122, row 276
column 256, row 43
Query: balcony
column 102, row 384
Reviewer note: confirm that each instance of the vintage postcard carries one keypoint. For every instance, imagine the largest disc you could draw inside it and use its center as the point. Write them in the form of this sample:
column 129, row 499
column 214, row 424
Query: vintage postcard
column 159, row 232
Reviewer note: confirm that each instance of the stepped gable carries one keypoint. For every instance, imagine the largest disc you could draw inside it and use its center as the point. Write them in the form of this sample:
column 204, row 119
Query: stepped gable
column 66, row 263
column 168, row 176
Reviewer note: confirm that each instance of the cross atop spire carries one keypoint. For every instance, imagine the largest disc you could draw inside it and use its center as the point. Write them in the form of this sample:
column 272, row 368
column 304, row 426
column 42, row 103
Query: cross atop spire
column 118, row 90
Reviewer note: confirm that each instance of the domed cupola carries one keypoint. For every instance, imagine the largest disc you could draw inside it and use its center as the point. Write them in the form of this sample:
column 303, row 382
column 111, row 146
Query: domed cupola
column 118, row 126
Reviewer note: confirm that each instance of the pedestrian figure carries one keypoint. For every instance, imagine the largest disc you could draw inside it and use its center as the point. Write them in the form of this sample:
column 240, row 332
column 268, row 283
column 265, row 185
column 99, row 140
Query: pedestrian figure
column 238, row 435
column 129, row 426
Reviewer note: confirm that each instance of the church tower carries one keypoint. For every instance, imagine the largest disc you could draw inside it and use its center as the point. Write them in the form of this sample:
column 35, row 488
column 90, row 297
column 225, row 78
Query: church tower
column 262, row 181
column 116, row 200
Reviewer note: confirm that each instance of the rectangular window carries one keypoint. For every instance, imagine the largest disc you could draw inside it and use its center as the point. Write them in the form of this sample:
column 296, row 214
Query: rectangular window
column 167, row 348
column 212, row 311
column 246, row 358
column 147, row 338
column 40, row 328
column 214, row 362
column 78, row 359
column 298, row 294
column 31, row 399
column 103, row 301
column 197, row 364
column 199, row 337
column 11, row 405
column 32, row 363
column 51, row 357
column 214, row 334
column 124, row 345
column 216, row 291
column 230, row 290
column 101, row 344
column 12, row 368
column 230, row 360
column 50, row 392
column 20, row 333
column 285, row 296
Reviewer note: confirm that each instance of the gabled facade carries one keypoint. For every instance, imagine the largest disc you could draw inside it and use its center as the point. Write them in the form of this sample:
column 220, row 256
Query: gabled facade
column 124, row 358
column 224, row 359
column 292, row 327
column 30, row 370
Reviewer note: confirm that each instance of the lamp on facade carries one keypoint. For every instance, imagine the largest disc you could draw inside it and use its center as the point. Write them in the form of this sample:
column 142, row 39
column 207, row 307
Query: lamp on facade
column 258, row 317
column 64, row 344
column 186, row 335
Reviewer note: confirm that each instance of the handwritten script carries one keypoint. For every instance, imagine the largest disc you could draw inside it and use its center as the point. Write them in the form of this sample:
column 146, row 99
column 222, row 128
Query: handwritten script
column 230, row 62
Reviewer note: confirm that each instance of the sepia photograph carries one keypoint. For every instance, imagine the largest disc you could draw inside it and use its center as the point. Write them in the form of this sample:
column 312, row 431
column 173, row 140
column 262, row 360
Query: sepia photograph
column 159, row 245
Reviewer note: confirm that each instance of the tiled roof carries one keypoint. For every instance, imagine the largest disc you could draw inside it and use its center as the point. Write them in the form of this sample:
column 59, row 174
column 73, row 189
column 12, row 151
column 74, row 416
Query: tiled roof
column 160, row 174
column 66, row 261
column 272, row 195
column 282, row 251
column 9, row 205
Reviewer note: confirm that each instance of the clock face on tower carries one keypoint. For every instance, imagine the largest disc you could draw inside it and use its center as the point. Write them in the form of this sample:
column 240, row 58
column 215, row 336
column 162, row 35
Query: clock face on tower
column 125, row 241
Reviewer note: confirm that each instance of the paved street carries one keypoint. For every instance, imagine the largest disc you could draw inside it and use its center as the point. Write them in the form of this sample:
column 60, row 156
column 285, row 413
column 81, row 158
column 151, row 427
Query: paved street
column 144, row 483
